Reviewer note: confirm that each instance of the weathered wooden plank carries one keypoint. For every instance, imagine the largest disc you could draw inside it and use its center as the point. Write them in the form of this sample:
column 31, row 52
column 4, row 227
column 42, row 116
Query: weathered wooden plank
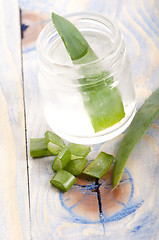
column 130, row 212
column 14, row 201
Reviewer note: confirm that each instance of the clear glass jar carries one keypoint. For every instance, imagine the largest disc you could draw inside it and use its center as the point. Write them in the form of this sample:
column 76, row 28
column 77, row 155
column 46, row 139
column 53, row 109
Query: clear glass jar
column 61, row 84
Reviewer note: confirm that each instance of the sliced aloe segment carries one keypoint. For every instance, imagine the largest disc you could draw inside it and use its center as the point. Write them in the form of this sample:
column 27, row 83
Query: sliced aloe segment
column 63, row 180
column 38, row 148
column 76, row 166
column 104, row 104
column 54, row 142
column 78, row 149
column 141, row 122
column 100, row 166
column 75, row 157
column 61, row 160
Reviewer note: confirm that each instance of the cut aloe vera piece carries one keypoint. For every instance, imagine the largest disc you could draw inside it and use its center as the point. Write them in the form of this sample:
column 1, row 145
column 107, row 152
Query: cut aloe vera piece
column 100, row 166
column 63, row 180
column 54, row 142
column 76, row 166
column 38, row 148
column 104, row 104
column 61, row 160
column 53, row 148
column 75, row 157
column 78, row 149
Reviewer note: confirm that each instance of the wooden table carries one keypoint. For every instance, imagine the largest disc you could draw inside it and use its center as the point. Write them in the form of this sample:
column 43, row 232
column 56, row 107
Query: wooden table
column 29, row 207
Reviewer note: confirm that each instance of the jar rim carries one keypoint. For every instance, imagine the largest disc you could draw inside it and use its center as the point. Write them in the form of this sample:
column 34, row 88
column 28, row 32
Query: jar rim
column 118, row 42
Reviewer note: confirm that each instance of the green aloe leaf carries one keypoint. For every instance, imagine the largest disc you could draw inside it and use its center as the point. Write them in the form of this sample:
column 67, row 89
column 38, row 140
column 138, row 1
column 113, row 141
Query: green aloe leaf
column 61, row 160
column 54, row 142
column 141, row 122
column 104, row 105
column 63, row 180
column 38, row 148
column 74, row 42
column 99, row 166
column 102, row 102
column 76, row 166
column 78, row 149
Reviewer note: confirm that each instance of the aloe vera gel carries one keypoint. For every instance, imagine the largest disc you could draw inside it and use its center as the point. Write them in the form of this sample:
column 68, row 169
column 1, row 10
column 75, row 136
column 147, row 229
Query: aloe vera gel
column 85, row 78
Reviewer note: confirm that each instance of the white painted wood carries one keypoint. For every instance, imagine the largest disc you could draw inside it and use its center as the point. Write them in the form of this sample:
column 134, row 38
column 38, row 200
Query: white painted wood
column 14, row 201
column 49, row 218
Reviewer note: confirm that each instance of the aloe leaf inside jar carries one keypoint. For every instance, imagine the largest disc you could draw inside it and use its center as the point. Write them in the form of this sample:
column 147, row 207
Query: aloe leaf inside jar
column 102, row 102
column 89, row 102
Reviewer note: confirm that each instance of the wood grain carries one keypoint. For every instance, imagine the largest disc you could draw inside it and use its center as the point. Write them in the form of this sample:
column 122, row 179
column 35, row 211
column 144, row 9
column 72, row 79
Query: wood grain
column 57, row 216
column 14, row 201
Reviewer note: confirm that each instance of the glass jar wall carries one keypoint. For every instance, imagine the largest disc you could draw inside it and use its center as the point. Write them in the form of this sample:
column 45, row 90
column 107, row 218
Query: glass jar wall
column 82, row 102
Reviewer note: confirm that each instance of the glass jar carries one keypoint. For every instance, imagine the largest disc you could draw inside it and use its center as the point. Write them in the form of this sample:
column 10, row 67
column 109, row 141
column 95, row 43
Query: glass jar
column 69, row 91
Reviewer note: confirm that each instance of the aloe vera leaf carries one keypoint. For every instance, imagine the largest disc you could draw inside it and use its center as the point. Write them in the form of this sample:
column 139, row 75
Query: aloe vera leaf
column 54, row 142
column 141, row 122
column 75, row 157
column 62, row 159
column 38, row 148
column 78, row 149
column 63, row 180
column 104, row 106
column 52, row 137
column 98, row 103
column 75, row 43
column 88, row 57
column 100, row 166
column 76, row 166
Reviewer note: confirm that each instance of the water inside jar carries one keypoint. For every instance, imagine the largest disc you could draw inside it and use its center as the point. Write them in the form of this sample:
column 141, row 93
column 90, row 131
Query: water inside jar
column 64, row 108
